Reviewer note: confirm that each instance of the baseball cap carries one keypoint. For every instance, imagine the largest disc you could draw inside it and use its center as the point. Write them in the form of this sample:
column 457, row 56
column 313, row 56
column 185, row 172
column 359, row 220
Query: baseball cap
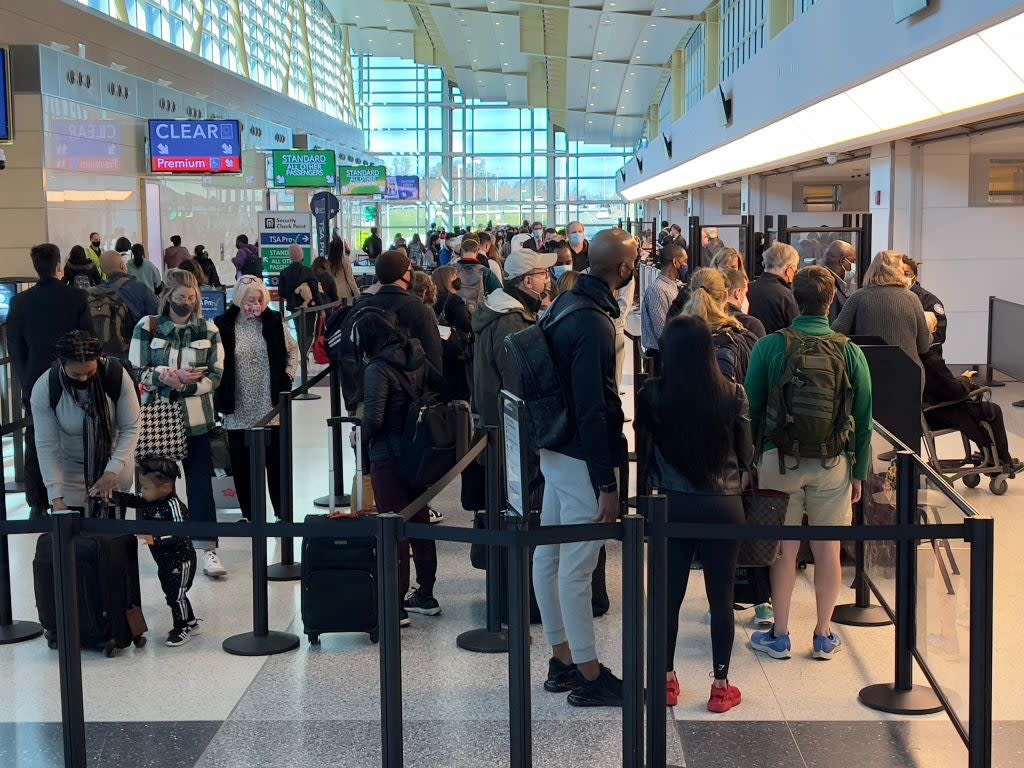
column 522, row 260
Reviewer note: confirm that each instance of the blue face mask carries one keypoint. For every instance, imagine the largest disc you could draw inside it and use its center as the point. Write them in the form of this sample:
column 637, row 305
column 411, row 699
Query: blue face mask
column 576, row 238
column 561, row 269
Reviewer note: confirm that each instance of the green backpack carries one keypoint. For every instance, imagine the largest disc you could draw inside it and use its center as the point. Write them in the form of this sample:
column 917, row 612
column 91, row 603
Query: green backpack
column 810, row 411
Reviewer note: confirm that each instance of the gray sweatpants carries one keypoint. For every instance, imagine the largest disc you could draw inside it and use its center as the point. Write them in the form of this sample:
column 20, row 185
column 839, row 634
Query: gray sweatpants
column 562, row 572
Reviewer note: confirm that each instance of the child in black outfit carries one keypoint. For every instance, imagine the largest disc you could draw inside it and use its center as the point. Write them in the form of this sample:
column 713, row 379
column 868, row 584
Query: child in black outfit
column 174, row 555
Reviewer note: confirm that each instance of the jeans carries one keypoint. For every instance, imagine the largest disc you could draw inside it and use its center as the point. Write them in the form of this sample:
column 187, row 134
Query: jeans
column 562, row 573
column 241, row 470
column 719, row 562
column 198, row 466
column 392, row 496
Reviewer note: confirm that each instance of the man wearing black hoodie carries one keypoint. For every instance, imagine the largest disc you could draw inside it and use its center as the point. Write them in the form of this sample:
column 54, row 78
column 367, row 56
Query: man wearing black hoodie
column 580, row 481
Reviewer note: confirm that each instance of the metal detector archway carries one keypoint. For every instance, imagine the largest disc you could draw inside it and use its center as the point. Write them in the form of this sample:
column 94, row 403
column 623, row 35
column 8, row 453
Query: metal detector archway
column 747, row 240
column 859, row 226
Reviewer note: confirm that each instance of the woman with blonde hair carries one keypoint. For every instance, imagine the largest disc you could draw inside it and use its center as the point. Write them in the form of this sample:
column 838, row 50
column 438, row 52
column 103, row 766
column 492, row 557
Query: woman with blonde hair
column 885, row 307
column 728, row 258
column 709, row 294
column 178, row 356
column 423, row 288
column 260, row 361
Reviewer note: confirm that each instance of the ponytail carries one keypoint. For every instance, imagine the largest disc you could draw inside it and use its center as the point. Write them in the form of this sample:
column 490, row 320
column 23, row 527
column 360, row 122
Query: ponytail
column 138, row 255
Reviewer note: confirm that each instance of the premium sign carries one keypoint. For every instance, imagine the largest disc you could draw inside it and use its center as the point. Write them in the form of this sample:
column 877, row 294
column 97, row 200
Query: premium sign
column 362, row 179
column 278, row 231
column 195, row 146
column 304, row 168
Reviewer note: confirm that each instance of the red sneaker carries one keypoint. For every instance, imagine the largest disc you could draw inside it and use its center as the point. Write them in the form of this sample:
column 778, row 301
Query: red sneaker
column 723, row 699
column 672, row 692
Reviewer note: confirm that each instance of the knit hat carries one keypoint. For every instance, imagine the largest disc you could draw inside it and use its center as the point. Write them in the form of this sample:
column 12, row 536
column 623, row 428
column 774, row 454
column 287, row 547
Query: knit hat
column 522, row 260
column 391, row 266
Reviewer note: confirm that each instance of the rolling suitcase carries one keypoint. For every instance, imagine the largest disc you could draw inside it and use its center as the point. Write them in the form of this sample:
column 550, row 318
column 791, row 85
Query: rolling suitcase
column 339, row 579
column 109, row 597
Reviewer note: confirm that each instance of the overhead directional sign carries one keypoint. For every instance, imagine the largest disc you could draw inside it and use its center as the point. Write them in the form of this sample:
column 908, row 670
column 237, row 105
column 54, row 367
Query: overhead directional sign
column 5, row 95
column 303, row 168
column 195, row 146
column 278, row 231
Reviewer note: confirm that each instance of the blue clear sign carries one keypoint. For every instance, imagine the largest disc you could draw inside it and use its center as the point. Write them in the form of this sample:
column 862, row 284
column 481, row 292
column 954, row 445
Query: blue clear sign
column 7, row 293
column 195, row 146
column 213, row 301
column 5, row 96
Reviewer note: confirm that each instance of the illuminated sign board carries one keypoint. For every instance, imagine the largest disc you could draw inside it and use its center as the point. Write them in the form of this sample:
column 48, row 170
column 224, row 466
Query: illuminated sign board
column 362, row 179
column 195, row 146
column 303, row 168
column 403, row 188
column 5, row 95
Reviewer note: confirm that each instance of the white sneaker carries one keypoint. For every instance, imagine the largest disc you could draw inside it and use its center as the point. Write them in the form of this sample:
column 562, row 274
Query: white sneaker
column 435, row 516
column 212, row 565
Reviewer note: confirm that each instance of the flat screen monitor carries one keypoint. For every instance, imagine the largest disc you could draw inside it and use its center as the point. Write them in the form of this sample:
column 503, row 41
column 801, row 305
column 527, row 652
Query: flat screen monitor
column 7, row 293
column 195, row 146
column 214, row 303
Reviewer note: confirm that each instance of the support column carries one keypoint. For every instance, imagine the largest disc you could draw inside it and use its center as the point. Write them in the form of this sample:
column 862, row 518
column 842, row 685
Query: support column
column 678, row 83
column 712, row 48
column 892, row 196
column 752, row 197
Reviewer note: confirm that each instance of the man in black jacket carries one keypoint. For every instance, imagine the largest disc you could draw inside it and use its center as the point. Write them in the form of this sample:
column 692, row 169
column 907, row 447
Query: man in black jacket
column 771, row 295
column 581, row 483
column 373, row 245
column 394, row 273
column 37, row 319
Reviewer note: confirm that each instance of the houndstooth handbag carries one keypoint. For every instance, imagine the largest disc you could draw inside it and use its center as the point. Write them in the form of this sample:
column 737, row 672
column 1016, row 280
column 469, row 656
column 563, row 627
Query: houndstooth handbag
column 161, row 431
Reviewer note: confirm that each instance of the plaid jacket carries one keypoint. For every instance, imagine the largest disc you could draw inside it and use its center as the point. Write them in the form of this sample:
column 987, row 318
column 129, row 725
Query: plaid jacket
column 194, row 345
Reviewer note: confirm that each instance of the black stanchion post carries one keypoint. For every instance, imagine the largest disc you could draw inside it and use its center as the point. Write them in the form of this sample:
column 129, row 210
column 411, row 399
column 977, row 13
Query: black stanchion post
column 903, row 697
column 261, row 641
column 860, row 613
column 337, row 457
column 492, row 638
column 655, row 509
column 633, row 641
column 11, row 631
column 979, row 728
column 287, row 569
column 69, row 647
column 520, row 730
column 696, row 250
column 389, row 534
column 304, row 346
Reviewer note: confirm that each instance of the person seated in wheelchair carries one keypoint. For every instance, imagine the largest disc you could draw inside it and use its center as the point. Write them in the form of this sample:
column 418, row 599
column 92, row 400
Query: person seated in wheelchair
column 955, row 402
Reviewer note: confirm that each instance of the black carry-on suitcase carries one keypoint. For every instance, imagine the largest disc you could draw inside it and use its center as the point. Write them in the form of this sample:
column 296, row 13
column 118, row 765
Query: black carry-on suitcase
column 109, row 597
column 339, row 578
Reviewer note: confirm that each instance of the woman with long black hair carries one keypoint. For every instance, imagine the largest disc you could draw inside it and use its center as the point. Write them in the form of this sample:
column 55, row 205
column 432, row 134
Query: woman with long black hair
column 144, row 270
column 695, row 426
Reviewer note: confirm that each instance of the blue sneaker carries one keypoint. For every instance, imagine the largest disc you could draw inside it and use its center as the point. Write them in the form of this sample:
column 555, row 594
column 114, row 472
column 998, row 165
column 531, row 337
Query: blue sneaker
column 827, row 647
column 767, row 642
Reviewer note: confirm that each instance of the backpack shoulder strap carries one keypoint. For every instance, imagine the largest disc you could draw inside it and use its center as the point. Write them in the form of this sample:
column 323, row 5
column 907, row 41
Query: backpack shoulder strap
column 111, row 377
column 56, row 390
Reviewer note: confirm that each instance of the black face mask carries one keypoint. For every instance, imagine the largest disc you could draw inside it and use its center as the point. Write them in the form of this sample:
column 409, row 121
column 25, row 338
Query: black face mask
column 77, row 383
column 95, row 243
column 456, row 284
column 181, row 310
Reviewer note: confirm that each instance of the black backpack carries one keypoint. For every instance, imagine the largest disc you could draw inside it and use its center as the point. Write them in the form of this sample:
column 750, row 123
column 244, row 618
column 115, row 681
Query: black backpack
column 430, row 436
column 342, row 350
column 110, row 378
column 530, row 373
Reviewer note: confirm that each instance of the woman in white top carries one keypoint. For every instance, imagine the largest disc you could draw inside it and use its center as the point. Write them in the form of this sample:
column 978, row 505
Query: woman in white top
column 86, row 415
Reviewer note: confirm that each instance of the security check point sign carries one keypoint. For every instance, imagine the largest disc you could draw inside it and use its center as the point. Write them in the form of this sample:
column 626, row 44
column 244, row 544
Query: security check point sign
column 278, row 231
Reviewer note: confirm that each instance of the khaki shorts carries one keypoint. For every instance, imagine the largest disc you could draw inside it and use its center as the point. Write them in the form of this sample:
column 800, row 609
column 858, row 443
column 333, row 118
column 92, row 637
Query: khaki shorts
column 821, row 493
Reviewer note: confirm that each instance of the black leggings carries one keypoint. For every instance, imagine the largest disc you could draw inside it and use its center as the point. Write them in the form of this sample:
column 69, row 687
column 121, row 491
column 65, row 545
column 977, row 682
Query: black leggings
column 967, row 417
column 719, row 562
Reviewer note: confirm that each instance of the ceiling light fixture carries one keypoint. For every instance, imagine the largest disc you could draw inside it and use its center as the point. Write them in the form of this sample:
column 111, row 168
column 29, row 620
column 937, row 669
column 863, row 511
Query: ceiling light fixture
column 980, row 69
column 644, row 42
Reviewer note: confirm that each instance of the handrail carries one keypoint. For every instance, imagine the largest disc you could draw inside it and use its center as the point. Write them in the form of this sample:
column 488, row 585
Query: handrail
column 274, row 412
column 314, row 308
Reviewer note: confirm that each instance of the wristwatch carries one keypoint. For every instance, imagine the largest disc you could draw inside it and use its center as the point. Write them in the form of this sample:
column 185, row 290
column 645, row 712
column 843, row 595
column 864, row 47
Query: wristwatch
column 609, row 488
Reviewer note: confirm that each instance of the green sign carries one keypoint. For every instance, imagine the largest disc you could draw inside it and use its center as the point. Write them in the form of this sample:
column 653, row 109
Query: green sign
column 363, row 179
column 369, row 214
column 303, row 168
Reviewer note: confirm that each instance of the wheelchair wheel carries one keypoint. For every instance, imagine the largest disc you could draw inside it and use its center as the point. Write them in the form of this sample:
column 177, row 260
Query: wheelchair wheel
column 972, row 481
column 998, row 486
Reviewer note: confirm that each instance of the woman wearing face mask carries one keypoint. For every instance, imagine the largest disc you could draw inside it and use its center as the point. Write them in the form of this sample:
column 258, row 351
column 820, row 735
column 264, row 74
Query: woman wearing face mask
column 179, row 357
column 86, row 417
column 260, row 362
column 451, row 311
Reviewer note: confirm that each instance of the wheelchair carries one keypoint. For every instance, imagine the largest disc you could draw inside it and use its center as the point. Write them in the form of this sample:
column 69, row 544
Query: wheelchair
column 974, row 465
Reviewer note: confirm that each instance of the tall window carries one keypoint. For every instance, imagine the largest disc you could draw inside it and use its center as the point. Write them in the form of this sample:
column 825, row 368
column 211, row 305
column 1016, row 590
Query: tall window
column 696, row 62
column 743, row 33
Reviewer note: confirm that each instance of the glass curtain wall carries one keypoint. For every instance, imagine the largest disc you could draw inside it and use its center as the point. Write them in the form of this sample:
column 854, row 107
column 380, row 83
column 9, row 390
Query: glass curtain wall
column 478, row 162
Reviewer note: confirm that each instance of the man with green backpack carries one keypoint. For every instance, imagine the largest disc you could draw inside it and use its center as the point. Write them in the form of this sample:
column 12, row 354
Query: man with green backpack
column 810, row 406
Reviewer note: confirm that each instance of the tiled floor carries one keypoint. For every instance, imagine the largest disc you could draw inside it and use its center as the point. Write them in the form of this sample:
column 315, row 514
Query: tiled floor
column 197, row 706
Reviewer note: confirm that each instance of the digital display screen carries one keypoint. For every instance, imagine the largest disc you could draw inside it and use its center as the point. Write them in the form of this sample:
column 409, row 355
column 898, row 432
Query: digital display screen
column 403, row 188
column 304, row 168
column 214, row 303
column 195, row 146
column 7, row 293
column 362, row 179
column 5, row 96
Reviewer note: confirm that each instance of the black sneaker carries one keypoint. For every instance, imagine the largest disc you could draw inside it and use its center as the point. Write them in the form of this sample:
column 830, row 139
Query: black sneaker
column 403, row 618
column 562, row 677
column 417, row 603
column 178, row 636
column 605, row 691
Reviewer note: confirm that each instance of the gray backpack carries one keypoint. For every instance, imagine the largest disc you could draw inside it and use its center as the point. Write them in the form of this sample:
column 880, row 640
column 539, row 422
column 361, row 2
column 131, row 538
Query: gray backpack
column 472, row 288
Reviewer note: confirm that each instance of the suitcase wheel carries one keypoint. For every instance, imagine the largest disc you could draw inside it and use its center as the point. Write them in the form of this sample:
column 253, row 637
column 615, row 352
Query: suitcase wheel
column 314, row 639
column 51, row 643
column 140, row 641
column 375, row 636
column 110, row 649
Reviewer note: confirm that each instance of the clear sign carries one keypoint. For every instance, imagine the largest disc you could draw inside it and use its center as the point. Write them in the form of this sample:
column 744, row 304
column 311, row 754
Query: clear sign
column 5, row 94
column 362, row 179
column 303, row 168
column 85, row 145
column 278, row 231
column 403, row 188
column 195, row 146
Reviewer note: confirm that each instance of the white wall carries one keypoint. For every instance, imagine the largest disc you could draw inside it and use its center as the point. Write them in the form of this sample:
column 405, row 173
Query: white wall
column 968, row 253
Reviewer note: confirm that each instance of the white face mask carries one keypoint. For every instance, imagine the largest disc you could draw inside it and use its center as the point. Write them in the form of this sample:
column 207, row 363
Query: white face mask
column 851, row 275
column 538, row 233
